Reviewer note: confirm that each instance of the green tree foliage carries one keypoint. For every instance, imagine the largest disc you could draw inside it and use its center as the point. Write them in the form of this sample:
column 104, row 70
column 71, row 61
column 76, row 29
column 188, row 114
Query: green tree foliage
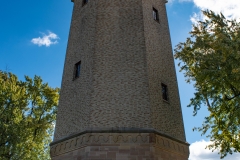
column 27, row 115
column 211, row 59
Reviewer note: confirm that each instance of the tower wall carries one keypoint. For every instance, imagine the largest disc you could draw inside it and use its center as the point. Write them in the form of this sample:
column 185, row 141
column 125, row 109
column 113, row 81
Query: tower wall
column 75, row 97
column 120, row 93
column 112, row 91
column 117, row 102
column 166, row 115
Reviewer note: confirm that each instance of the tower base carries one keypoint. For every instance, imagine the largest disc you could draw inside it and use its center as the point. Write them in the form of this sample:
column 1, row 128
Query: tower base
column 102, row 145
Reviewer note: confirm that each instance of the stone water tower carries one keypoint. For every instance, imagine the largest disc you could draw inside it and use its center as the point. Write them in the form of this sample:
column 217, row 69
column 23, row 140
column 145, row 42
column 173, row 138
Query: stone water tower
column 119, row 98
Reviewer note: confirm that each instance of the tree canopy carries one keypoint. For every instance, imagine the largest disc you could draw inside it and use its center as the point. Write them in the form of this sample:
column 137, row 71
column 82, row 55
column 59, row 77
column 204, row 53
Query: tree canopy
column 27, row 115
column 210, row 58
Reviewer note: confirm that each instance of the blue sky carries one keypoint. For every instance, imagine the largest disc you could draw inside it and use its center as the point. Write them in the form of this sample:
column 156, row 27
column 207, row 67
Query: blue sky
column 34, row 35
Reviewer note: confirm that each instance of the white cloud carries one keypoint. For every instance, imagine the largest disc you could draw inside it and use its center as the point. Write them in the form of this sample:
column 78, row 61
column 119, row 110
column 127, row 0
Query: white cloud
column 196, row 17
column 180, row 0
column 185, row 0
column 46, row 40
column 229, row 8
column 198, row 152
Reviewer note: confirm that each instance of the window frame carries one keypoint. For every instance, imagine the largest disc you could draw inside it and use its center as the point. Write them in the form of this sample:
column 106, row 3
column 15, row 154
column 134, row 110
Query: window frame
column 84, row 2
column 164, row 92
column 77, row 70
column 155, row 14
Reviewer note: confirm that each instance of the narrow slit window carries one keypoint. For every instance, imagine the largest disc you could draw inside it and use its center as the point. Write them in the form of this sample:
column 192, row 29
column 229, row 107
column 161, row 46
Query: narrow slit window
column 164, row 92
column 77, row 69
column 84, row 2
column 155, row 14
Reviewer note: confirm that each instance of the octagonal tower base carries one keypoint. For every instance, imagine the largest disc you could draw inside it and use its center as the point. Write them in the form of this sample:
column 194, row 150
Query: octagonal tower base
column 126, row 144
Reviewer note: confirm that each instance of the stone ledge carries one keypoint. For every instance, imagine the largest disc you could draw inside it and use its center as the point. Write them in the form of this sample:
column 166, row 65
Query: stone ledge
column 118, row 139
column 118, row 130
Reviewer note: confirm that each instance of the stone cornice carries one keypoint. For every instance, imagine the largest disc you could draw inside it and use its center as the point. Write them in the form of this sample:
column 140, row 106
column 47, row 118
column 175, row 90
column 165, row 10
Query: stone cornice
column 80, row 142
column 119, row 130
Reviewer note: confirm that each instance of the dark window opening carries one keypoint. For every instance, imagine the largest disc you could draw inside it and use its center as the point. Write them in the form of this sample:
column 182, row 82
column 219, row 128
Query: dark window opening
column 77, row 68
column 84, row 2
column 164, row 92
column 155, row 15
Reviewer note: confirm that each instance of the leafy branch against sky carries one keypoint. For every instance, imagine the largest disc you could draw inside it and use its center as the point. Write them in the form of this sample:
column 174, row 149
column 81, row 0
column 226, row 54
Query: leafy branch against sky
column 230, row 9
